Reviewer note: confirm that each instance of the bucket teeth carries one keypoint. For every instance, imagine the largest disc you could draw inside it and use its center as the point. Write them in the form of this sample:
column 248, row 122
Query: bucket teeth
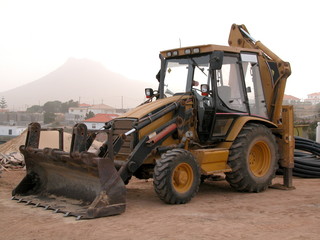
column 67, row 214
column 76, row 183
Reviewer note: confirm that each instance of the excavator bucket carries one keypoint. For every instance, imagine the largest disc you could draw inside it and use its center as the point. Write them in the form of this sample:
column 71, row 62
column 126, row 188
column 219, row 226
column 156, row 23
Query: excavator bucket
column 76, row 183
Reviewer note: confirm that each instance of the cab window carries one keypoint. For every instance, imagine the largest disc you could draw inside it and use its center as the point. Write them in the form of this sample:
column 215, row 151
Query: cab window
column 229, row 85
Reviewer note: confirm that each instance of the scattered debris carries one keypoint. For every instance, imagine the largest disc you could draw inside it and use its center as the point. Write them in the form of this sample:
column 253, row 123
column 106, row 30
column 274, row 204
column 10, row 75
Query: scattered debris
column 13, row 160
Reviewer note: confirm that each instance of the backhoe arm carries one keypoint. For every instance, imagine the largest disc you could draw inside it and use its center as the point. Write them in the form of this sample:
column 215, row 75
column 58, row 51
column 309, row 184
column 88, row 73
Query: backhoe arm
column 278, row 70
column 274, row 73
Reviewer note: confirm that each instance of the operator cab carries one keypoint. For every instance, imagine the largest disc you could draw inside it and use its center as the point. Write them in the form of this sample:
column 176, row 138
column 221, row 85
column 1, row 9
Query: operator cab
column 225, row 85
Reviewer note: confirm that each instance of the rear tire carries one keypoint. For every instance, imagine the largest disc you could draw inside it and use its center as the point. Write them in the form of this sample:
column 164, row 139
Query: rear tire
column 253, row 159
column 176, row 177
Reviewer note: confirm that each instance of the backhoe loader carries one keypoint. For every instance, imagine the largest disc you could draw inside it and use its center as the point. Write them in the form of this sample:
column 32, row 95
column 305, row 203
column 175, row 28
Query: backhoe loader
column 218, row 109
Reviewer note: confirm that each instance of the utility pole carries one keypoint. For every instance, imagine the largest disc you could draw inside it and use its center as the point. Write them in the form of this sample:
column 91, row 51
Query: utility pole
column 121, row 102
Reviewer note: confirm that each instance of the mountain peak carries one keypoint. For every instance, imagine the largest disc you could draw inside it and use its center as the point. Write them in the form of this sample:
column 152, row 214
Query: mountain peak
column 81, row 62
column 78, row 78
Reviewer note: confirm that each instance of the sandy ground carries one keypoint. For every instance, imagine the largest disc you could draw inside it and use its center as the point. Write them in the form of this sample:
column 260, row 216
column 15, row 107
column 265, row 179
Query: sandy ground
column 217, row 212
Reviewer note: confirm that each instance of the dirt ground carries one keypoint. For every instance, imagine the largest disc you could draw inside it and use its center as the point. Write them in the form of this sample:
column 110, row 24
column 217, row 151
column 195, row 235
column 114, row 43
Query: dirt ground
column 217, row 212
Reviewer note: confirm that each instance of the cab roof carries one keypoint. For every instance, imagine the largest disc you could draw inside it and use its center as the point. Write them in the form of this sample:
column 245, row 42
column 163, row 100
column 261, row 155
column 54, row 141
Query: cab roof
column 204, row 49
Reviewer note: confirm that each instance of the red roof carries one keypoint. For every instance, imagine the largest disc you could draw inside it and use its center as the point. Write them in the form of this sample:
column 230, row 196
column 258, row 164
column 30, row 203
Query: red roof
column 101, row 118
column 290, row 97
column 84, row 105
column 314, row 94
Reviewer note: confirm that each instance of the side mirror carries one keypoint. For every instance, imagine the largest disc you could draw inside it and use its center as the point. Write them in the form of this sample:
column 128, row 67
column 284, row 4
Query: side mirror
column 158, row 76
column 149, row 92
column 216, row 60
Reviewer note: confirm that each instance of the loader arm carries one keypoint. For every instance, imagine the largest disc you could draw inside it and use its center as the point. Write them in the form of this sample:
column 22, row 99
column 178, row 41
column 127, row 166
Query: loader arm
column 148, row 144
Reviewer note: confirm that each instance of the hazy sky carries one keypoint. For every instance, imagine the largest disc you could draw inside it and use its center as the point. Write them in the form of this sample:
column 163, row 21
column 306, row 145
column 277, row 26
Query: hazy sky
column 38, row 36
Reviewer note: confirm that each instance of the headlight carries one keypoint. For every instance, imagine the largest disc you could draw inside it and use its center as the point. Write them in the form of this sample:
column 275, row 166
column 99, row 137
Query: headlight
column 187, row 51
column 175, row 53
column 148, row 92
column 196, row 50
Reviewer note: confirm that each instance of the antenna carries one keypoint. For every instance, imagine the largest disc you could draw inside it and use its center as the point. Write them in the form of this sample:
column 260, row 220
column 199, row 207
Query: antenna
column 121, row 102
column 180, row 42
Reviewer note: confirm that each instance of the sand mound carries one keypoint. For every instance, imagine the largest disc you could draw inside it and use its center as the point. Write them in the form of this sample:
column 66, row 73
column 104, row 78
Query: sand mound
column 14, row 144
column 47, row 139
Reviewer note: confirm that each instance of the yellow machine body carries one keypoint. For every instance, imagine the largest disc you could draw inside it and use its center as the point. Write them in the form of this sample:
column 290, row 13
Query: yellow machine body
column 218, row 109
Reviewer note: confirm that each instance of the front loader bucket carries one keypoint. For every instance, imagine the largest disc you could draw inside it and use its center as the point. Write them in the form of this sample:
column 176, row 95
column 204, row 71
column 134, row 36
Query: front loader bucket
column 77, row 184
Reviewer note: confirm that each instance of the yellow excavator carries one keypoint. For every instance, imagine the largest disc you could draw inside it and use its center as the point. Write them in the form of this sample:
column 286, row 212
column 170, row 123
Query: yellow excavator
column 218, row 109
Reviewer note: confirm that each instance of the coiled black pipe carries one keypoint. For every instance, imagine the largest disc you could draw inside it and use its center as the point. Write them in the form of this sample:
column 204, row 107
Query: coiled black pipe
column 306, row 159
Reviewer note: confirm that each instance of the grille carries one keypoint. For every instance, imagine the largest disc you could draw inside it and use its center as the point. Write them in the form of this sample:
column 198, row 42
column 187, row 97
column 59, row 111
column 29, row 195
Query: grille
column 121, row 126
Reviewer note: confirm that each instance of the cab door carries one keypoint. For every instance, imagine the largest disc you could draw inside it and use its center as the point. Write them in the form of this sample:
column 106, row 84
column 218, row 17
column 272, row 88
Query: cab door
column 254, row 90
column 231, row 100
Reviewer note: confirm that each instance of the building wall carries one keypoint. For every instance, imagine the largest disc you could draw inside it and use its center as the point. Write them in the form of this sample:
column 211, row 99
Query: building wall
column 104, row 111
column 11, row 130
column 313, row 98
column 19, row 118
column 79, row 113
column 94, row 125
column 76, row 114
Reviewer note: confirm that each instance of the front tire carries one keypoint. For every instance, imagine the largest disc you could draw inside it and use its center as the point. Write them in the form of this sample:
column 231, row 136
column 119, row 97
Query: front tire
column 176, row 177
column 253, row 159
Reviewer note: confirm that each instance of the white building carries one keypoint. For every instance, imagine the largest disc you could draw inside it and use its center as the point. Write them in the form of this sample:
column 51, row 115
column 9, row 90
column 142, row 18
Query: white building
column 78, row 114
column 289, row 99
column 98, row 121
column 11, row 131
column 314, row 98
column 102, row 108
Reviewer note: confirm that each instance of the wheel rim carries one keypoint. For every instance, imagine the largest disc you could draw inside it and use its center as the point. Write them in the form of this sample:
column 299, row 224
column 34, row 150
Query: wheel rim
column 259, row 159
column 182, row 177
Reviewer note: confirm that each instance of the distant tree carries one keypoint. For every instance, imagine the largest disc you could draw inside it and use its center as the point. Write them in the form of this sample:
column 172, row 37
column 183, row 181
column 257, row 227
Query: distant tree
column 59, row 107
column 3, row 103
column 48, row 117
column 66, row 105
column 35, row 109
column 318, row 110
column 90, row 114
column 312, row 130
column 52, row 107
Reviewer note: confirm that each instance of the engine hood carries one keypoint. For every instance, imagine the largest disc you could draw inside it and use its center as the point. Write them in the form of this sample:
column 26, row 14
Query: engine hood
column 143, row 110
